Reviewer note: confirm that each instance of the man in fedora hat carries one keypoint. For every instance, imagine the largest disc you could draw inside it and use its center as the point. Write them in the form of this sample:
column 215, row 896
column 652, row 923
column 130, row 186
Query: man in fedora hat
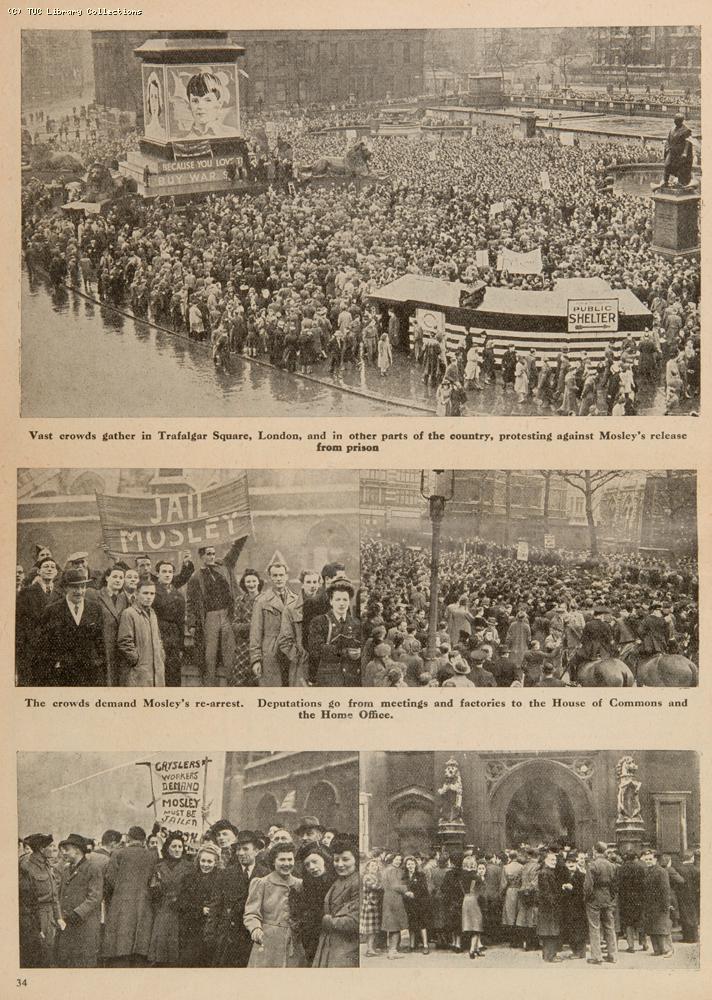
column 38, row 884
column 225, row 930
column 80, row 893
column 334, row 643
column 310, row 830
column 71, row 641
column 461, row 670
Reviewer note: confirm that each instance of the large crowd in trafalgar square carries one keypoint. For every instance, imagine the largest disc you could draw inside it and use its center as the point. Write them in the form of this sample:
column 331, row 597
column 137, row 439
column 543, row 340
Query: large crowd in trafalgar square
column 496, row 233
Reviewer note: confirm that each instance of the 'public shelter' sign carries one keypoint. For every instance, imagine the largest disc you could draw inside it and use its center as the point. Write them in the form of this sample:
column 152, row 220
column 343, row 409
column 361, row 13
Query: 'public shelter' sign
column 593, row 315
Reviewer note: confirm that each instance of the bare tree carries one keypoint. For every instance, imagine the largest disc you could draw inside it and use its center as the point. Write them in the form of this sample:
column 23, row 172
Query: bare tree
column 547, row 475
column 507, row 506
column 590, row 483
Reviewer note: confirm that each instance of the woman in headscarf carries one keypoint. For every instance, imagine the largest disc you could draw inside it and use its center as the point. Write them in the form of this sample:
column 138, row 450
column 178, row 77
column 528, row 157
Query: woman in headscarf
column 166, row 886
column 194, row 907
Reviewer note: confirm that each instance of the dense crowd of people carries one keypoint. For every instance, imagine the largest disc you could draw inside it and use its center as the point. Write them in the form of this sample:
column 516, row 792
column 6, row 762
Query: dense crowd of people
column 235, row 898
column 285, row 273
column 556, row 899
column 139, row 625
column 507, row 622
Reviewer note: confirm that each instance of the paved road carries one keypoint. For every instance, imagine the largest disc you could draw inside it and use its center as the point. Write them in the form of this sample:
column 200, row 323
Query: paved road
column 500, row 957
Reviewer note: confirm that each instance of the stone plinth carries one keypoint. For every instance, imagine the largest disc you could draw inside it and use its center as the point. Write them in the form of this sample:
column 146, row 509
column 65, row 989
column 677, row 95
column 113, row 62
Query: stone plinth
column 630, row 835
column 451, row 835
column 676, row 222
column 527, row 124
column 191, row 115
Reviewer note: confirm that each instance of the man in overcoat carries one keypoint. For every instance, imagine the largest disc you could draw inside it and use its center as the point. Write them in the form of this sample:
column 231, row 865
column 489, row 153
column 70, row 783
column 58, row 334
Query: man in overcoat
column 71, row 642
column 291, row 634
column 139, row 641
column 225, row 929
column 129, row 915
column 549, row 907
column 657, row 901
column 80, row 892
column 112, row 601
column 688, row 897
column 268, row 665
column 30, row 604
column 169, row 607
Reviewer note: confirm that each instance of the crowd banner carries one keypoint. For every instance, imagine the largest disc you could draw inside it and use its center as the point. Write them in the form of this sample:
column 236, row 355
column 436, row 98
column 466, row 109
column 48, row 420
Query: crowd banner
column 549, row 542
column 178, row 787
column 522, row 263
column 496, row 208
column 594, row 315
column 482, row 258
column 175, row 522
column 522, row 551
column 544, row 181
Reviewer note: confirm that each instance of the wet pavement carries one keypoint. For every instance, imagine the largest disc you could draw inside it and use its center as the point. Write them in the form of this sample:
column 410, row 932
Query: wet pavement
column 82, row 359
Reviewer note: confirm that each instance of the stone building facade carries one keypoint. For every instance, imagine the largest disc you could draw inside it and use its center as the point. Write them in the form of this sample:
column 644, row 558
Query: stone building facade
column 509, row 798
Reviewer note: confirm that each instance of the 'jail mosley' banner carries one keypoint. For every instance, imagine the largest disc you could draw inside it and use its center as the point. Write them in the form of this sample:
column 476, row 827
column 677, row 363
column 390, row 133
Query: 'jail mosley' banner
column 179, row 790
column 217, row 516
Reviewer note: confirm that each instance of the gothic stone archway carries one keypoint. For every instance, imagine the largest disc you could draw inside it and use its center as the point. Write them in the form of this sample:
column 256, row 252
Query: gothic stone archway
column 550, row 783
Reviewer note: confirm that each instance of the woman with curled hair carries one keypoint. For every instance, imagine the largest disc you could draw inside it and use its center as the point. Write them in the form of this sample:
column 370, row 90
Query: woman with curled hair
column 271, row 915
column 250, row 585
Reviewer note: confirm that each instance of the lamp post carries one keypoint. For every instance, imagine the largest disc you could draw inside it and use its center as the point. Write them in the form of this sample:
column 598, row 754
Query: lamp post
column 437, row 487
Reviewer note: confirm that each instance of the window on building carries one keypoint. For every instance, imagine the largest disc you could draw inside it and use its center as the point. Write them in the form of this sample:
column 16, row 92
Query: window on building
column 406, row 52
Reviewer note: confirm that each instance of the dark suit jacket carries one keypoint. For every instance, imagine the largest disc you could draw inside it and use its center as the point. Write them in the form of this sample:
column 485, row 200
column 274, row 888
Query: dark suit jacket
column 68, row 654
column 29, row 608
column 170, row 612
column 110, row 616
column 225, row 928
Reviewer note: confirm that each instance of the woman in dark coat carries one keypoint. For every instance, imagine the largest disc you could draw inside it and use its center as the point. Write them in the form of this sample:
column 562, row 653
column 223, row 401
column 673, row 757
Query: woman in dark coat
column 250, row 588
column 418, row 907
column 194, row 908
column 166, row 886
column 549, row 911
column 453, row 893
column 574, row 922
column 317, row 878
